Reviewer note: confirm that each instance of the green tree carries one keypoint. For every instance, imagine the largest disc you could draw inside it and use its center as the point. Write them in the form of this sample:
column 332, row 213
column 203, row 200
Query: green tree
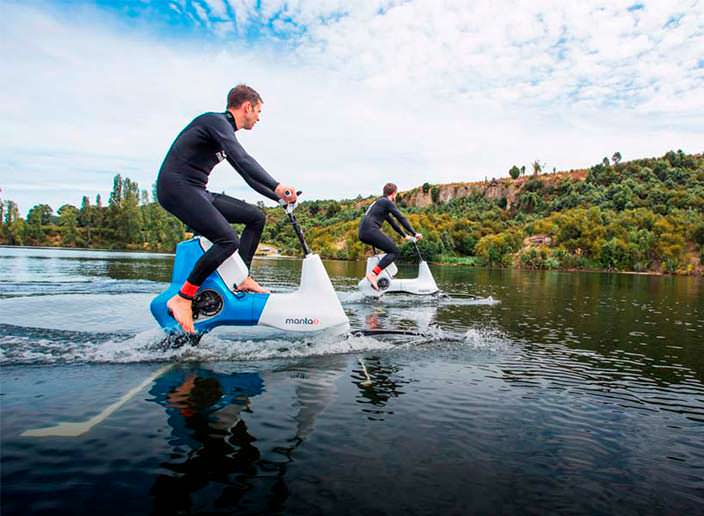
column 14, row 225
column 84, row 214
column 537, row 167
column 98, row 214
column 45, row 213
column 38, row 216
column 495, row 249
column 115, row 219
column 332, row 209
column 514, row 172
column 435, row 194
column 68, row 222
column 131, row 215
column 616, row 158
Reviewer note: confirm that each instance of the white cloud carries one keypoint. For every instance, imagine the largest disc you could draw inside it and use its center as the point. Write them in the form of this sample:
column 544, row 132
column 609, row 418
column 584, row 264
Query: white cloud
column 217, row 8
column 404, row 91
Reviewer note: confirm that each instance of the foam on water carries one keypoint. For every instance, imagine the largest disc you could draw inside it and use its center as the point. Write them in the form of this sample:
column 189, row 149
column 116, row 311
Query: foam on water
column 352, row 297
column 118, row 328
column 148, row 346
column 52, row 346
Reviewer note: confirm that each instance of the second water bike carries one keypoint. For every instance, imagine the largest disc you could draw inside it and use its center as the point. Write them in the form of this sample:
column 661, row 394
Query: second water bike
column 424, row 284
column 312, row 307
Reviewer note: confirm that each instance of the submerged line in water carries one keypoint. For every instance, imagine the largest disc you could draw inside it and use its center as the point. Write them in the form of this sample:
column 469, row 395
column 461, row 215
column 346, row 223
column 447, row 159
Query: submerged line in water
column 368, row 381
column 65, row 429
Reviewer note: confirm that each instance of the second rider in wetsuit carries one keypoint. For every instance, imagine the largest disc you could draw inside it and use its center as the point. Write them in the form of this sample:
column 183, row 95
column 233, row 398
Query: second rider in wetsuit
column 205, row 142
column 370, row 232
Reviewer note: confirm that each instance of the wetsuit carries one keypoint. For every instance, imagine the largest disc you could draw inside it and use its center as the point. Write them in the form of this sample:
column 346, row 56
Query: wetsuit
column 205, row 142
column 370, row 229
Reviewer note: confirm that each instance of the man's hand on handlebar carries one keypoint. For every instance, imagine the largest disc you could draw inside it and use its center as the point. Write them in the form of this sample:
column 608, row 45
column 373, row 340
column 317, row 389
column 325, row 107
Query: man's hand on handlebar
column 286, row 193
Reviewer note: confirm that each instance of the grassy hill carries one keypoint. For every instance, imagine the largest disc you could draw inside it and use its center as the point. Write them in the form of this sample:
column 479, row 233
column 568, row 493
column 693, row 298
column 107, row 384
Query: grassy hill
column 641, row 215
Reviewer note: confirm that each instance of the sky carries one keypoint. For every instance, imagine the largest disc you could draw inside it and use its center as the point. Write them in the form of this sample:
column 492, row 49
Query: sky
column 355, row 93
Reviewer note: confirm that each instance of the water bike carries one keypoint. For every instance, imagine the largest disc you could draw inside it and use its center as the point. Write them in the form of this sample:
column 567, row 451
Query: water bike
column 424, row 284
column 313, row 307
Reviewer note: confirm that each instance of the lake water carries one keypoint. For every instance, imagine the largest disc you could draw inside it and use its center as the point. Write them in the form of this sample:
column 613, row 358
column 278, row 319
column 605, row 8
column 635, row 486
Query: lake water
column 525, row 392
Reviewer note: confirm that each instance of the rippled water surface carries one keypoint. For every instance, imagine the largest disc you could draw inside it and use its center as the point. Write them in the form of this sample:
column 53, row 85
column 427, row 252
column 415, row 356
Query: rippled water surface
column 524, row 392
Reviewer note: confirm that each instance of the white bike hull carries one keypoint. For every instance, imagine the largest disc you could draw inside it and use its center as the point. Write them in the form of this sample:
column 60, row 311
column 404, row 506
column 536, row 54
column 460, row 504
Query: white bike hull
column 422, row 285
column 313, row 307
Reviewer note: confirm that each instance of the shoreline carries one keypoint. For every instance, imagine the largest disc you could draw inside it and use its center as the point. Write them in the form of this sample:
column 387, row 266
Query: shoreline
column 103, row 249
column 286, row 257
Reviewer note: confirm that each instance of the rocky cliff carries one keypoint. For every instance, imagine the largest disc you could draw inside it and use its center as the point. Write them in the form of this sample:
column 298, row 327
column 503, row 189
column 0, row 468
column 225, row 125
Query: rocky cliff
column 494, row 189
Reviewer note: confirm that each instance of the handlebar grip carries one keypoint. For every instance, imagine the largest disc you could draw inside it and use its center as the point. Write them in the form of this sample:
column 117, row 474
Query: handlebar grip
column 286, row 205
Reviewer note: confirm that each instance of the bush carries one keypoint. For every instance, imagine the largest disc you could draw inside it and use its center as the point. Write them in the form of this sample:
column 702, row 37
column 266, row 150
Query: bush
column 430, row 250
column 466, row 245
column 494, row 248
column 698, row 233
column 435, row 194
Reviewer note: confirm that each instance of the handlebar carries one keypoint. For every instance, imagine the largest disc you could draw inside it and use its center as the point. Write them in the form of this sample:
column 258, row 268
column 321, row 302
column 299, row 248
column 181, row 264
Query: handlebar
column 292, row 218
column 292, row 206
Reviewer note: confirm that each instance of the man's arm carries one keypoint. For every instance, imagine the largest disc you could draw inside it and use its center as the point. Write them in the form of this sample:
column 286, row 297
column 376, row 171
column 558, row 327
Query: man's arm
column 251, row 171
column 403, row 220
column 395, row 226
column 263, row 189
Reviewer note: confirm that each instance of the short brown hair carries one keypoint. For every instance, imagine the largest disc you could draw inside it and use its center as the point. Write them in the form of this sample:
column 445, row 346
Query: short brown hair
column 389, row 188
column 241, row 94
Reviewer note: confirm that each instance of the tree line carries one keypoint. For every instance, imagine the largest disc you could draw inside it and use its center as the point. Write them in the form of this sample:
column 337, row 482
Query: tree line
column 641, row 215
column 128, row 221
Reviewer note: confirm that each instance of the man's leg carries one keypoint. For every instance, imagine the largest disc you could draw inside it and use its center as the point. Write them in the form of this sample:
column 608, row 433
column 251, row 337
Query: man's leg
column 392, row 254
column 237, row 211
column 379, row 240
column 197, row 211
column 194, row 207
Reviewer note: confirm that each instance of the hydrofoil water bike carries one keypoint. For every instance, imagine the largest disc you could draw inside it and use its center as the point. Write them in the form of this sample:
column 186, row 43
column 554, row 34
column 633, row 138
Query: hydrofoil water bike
column 313, row 307
column 424, row 284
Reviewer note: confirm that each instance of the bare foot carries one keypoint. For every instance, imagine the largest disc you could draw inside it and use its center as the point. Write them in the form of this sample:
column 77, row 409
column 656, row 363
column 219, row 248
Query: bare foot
column 372, row 279
column 249, row 285
column 181, row 310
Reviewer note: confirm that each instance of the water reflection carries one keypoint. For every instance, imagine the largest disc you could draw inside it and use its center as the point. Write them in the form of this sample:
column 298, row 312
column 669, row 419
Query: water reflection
column 217, row 460
column 397, row 313
column 578, row 393
column 379, row 382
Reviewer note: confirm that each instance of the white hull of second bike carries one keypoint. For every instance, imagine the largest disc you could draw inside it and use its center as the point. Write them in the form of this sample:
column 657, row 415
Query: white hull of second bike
column 423, row 285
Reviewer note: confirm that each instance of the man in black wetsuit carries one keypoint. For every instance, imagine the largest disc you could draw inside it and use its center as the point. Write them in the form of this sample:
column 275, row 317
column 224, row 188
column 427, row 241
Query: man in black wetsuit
column 206, row 141
column 370, row 230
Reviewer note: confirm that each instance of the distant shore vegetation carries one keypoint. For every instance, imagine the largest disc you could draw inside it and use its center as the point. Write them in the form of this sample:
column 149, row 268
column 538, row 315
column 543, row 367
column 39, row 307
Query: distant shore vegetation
column 644, row 215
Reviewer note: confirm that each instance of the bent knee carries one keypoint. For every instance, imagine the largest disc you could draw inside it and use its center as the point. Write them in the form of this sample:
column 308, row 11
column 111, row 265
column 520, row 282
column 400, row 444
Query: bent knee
column 259, row 219
column 228, row 244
